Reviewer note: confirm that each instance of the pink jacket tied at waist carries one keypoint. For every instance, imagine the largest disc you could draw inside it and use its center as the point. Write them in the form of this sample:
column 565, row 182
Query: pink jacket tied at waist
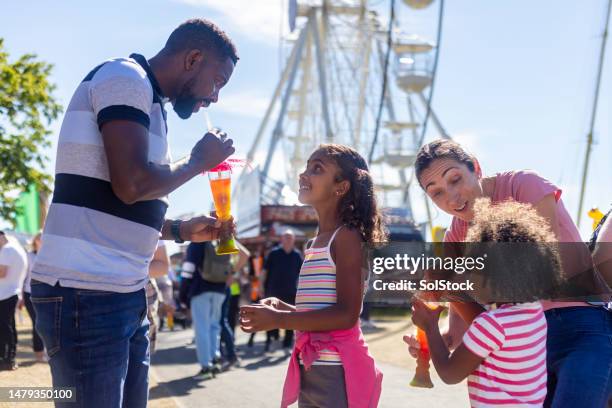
column 362, row 377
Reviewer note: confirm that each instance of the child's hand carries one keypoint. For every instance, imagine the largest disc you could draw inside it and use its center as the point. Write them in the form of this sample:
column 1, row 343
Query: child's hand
column 413, row 345
column 424, row 317
column 273, row 302
column 254, row 318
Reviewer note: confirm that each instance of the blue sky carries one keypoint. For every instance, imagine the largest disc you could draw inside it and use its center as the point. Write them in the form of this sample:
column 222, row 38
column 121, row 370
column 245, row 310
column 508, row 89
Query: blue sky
column 515, row 78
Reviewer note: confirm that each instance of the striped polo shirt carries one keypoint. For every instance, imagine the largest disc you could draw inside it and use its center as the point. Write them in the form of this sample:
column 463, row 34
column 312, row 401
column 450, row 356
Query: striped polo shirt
column 92, row 240
column 512, row 341
column 317, row 289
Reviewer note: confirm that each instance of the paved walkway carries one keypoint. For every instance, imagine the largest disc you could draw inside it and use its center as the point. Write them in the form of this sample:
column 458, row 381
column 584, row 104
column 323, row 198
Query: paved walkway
column 258, row 383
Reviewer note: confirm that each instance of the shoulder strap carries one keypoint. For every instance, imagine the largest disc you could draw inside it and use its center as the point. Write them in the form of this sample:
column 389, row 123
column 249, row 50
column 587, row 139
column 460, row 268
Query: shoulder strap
column 332, row 237
column 309, row 243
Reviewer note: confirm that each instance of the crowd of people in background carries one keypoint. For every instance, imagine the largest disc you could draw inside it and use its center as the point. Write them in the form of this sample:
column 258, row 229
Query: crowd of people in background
column 188, row 292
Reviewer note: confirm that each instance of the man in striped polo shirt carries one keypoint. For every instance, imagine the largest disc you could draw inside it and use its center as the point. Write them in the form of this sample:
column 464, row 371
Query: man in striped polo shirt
column 113, row 173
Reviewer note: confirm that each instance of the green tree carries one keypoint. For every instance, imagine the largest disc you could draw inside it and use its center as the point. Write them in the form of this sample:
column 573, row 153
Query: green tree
column 27, row 108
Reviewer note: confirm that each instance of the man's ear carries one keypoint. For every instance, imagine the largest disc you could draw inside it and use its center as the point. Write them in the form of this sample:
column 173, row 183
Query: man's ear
column 193, row 59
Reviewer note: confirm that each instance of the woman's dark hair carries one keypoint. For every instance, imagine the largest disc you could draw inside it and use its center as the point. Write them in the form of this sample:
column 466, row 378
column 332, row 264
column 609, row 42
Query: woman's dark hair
column 523, row 263
column 441, row 149
column 358, row 207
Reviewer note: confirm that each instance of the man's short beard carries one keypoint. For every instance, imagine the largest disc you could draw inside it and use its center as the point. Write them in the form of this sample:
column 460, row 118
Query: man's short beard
column 184, row 106
column 185, row 101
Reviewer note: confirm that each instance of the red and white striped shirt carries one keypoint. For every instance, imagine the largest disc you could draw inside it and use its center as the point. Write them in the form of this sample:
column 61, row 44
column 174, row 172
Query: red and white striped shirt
column 512, row 341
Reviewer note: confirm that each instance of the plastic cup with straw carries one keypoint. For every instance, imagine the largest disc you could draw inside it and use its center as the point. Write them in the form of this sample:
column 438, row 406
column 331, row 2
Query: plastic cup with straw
column 220, row 178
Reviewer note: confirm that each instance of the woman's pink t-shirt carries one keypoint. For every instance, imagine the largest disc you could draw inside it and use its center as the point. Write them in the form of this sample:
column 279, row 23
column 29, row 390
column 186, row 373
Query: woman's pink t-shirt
column 605, row 234
column 525, row 186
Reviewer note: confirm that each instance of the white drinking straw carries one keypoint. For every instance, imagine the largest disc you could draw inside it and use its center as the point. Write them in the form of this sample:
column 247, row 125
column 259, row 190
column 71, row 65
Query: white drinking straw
column 208, row 122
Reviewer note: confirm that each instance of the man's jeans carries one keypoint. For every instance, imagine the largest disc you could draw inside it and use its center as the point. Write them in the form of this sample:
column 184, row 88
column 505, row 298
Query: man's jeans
column 579, row 356
column 97, row 342
column 206, row 313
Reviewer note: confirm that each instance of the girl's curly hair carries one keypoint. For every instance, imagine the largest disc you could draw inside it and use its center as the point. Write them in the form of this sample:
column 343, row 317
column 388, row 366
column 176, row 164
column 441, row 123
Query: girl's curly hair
column 358, row 207
column 508, row 221
column 523, row 262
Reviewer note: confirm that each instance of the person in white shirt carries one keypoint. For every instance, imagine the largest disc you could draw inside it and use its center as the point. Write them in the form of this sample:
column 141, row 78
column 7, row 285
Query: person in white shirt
column 37, row 343
column 13, row 262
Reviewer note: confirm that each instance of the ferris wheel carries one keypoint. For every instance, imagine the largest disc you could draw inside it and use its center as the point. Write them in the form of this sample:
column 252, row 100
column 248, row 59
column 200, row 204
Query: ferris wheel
column 343, row 54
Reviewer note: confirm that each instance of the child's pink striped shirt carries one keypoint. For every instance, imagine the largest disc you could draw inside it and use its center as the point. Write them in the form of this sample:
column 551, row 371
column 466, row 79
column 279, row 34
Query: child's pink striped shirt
column 512, row 341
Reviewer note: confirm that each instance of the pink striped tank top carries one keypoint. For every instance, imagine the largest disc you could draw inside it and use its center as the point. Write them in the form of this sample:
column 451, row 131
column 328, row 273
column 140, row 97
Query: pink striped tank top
column 317, row 289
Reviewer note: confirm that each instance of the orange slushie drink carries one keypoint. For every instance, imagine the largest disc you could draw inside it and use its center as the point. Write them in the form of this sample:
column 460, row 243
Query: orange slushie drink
column 422, row 378
column 222, row 196
column 220, row 184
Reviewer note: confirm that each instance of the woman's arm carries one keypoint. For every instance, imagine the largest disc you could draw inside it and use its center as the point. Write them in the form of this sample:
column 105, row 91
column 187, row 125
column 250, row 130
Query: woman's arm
column 547, row 208
column 349, row 291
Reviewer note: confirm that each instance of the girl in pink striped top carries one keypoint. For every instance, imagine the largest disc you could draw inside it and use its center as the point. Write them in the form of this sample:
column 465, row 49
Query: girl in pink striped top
column 330, row 366
column 503, row 352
